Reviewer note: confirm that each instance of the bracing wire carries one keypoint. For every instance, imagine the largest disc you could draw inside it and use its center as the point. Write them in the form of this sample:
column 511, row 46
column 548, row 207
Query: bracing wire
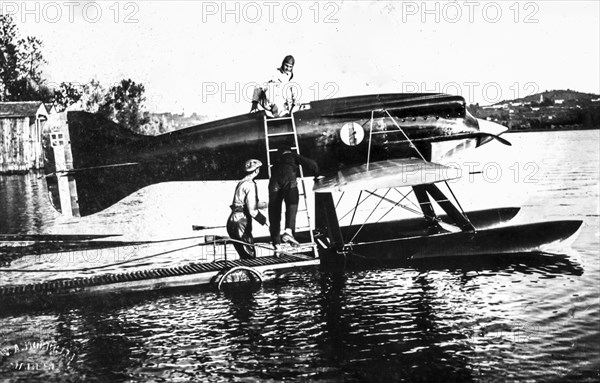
column 394, row 206
column 372, row 211
column 218, row 241
column 423, row 158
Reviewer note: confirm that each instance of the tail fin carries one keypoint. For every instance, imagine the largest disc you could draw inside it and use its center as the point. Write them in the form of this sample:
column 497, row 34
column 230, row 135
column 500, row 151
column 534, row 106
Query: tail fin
column 93, row 163
column 86, row 162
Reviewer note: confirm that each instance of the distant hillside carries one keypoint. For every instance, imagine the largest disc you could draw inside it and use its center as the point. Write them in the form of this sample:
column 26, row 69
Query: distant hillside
column 550, row 110
column 553, row 95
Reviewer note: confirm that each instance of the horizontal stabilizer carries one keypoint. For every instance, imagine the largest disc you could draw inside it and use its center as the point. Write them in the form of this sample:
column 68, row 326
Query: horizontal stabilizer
column 386, row 174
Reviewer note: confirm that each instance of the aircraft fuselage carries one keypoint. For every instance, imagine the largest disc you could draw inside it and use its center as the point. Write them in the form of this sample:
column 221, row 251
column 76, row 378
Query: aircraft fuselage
column 105, row 162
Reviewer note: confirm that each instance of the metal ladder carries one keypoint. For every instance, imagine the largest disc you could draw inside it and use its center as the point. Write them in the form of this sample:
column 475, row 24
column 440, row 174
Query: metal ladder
column 302, row 190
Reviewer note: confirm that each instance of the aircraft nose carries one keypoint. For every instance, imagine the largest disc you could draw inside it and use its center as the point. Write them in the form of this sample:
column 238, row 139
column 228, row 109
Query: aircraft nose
column 491, row 128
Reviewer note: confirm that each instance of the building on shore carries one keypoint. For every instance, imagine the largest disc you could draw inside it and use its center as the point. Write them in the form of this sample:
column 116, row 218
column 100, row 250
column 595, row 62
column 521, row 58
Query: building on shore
column 21, row 126
column 50, row 108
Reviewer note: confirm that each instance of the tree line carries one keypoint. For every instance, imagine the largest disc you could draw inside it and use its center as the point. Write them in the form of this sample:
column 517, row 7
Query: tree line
column 22, row 79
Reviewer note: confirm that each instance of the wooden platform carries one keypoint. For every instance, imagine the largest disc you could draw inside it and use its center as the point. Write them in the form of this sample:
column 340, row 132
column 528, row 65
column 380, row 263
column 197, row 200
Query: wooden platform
column 192, row 274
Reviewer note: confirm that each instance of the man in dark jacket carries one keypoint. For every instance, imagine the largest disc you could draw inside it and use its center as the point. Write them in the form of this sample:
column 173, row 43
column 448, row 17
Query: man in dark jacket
column 283, row 187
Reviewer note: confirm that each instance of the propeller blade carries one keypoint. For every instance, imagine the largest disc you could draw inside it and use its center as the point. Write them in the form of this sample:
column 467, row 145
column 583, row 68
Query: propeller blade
column 502, row 140
column 495, row 137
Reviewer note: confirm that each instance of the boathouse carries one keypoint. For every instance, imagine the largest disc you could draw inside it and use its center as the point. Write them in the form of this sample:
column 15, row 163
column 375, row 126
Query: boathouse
column 21, row 125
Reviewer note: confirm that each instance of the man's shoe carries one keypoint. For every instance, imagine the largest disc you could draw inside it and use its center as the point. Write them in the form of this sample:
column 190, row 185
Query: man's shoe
column 288, row 238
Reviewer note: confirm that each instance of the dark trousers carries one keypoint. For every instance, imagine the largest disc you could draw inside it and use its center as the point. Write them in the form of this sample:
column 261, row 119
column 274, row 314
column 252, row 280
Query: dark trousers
column 279, row 193
column 239, row 226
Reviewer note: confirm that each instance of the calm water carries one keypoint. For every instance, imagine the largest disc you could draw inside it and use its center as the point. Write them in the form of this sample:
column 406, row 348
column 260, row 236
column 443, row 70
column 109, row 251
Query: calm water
column 510, row 319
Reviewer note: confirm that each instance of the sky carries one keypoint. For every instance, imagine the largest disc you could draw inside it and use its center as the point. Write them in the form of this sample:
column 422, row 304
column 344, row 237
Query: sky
column 205, row 57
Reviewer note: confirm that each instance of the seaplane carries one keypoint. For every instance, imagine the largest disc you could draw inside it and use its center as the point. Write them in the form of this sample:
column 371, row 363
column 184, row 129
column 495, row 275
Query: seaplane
column 373, row 145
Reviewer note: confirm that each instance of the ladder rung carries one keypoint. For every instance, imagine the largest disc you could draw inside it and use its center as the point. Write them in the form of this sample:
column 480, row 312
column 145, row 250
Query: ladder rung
column 301, row 186
column 278, row 119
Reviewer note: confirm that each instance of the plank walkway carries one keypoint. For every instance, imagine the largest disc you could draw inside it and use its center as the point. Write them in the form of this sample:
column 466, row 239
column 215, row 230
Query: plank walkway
column 154, row 279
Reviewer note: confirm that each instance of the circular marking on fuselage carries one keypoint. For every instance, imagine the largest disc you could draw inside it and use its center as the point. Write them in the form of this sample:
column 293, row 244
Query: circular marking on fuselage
column 352, row 134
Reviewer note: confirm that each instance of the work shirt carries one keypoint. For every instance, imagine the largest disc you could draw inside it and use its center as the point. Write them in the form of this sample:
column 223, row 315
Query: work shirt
column 245, row 198
column 272, row 90
column 286, row 169
column 280, row 77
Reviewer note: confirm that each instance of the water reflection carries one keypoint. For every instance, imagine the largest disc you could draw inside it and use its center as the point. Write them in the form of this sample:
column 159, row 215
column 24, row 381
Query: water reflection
column 24, row 207
column 106, row 349
column 367, row 324
column 395, row 336
column 546, row 264
column 332, row 300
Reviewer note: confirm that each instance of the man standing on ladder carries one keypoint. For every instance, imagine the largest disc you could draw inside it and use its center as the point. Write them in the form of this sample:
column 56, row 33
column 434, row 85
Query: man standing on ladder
column 245, row 207
column 275, row 97
column 283, row 186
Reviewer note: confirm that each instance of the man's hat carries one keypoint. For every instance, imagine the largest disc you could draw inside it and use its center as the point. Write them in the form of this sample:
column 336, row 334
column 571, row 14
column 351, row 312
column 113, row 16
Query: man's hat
column 252, row 165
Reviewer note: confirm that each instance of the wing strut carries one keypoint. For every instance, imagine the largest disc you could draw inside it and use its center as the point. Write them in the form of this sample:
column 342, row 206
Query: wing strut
column 430, row 188
column 459, row 218
column 326, row 220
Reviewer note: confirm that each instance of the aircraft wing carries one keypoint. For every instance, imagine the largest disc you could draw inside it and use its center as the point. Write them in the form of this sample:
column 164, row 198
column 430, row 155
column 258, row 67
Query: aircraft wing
column 386, row 174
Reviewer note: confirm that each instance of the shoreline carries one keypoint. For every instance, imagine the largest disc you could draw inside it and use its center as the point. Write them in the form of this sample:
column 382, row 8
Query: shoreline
column 550, row 129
